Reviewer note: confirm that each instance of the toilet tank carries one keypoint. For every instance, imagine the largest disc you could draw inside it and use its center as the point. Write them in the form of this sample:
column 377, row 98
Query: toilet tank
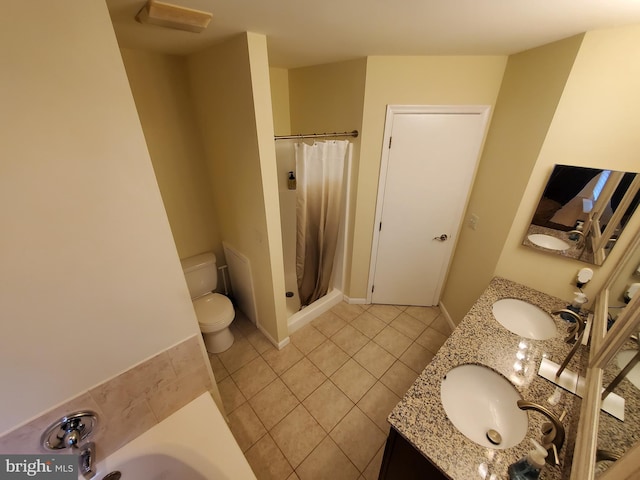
column 201, row 274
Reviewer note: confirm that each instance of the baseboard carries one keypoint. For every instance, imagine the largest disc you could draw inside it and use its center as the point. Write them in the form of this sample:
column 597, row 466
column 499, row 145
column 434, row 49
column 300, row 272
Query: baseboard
column 355, row 301
column 278, row 345
column 444, row 311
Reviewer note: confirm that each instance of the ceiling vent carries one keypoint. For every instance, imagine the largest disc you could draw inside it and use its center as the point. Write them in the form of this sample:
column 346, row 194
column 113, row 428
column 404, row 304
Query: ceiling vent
column 173, row 16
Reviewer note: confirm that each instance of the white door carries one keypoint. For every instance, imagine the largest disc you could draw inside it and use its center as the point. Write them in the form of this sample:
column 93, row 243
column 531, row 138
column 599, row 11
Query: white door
column 428, row 163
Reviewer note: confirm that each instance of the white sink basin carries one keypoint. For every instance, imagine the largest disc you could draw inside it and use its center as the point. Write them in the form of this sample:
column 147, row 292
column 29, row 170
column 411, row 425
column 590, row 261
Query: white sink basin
column 622, row 359
column 547, row 241
column 524, row 319
column 478, row 401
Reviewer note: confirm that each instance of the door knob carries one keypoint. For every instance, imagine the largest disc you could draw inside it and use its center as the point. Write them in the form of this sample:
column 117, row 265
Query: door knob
column 442, row 237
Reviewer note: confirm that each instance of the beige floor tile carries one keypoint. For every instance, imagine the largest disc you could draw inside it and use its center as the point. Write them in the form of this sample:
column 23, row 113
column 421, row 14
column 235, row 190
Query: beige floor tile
column 350, row 340
column 240, row 353
column 377, row 404
column 399, row 378
column 297, row 435
column 347, row 311
column 218, row 368
column 416, row 357
column 253, row 377
column 267, row 461
column 246, row 426
column 293, row 476
column 328, row 323
column 353, row 380
column 282, row 360
column 372, row 472
column 368, row 324
column 393, row 341
column 374, row 358
column 307, row 338
column 408, row 325
column 358, row 437
column 442, row 325
column 259, row 341
column 327, row 462
column 386, row 313
column 328, row 357
column 328, row 405
column 243, row 324
column 425, row 314
column 303, row 378
column 431, row 339
column 231, row 395
column 273, row 403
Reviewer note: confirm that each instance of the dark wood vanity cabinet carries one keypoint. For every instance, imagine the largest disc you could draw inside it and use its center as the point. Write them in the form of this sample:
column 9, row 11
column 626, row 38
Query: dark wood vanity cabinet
column 401, row 461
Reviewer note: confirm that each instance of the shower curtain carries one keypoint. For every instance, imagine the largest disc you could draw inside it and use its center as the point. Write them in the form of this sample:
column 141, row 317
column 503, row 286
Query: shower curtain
column 320, row 175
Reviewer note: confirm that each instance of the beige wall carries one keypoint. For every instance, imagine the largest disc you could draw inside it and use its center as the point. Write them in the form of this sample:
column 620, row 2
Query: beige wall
column 90, row 280
column 596, row 125
column 161, row 91
column 408, row 81
column 279, row 81
column 532, row 85
column 230, row 82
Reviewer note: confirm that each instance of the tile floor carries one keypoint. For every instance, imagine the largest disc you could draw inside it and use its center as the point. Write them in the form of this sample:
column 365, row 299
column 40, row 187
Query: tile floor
column 317, row 408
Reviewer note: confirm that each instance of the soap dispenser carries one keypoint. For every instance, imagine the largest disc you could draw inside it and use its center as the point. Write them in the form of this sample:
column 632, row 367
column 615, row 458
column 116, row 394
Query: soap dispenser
column 291, row 181
column 529, row 466
column 576, row 304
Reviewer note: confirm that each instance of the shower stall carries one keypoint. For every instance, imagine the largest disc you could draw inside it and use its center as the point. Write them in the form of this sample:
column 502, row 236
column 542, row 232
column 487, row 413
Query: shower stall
column 297, row 316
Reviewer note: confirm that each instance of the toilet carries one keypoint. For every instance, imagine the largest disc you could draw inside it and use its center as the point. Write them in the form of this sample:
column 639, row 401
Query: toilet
column 213, row 310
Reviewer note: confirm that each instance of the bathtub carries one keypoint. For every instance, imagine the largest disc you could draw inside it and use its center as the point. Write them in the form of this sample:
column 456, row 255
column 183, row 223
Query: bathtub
column 194, row 443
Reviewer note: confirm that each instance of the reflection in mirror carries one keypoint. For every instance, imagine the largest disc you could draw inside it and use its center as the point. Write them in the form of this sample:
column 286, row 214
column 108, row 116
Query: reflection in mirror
column 616, row 437
column 621, row 375
column 583, row 211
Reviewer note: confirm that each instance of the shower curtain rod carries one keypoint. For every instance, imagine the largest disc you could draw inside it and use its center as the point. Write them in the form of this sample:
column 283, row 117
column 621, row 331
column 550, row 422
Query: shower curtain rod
column 353, row 133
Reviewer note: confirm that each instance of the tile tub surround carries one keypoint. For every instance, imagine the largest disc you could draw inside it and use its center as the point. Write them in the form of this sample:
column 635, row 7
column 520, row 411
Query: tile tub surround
column 129, row 403
column 480, row 339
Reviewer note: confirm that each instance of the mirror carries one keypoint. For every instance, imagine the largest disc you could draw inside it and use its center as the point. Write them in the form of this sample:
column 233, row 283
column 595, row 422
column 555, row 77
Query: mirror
column 582, row 212
column 602, row 438
column 621, row 375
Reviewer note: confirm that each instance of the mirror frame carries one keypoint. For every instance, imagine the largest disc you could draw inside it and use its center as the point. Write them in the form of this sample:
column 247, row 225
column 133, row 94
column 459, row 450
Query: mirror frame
column 604, row 346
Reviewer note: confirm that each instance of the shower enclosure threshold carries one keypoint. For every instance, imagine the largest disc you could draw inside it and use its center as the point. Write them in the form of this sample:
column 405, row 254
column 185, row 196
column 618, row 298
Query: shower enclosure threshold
column 313, row 311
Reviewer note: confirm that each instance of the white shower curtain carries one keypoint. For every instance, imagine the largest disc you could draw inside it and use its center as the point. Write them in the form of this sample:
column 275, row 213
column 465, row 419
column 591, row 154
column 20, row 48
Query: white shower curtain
column 320, row 174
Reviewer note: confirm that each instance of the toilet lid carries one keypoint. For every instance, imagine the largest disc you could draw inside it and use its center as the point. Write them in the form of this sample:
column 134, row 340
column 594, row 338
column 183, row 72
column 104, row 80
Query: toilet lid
column 213, row 310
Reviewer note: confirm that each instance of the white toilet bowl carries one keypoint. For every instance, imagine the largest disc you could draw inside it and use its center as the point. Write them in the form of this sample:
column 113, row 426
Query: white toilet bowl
column 215, row 313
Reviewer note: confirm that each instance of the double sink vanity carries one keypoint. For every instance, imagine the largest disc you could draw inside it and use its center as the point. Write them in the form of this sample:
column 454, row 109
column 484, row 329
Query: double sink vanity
column 495, row 382
column 472, row 386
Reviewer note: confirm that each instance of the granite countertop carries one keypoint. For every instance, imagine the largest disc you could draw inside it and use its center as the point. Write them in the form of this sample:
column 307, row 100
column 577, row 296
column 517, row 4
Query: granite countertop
column 480, row 339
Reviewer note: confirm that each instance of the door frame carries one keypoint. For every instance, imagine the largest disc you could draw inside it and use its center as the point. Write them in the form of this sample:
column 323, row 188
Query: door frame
column 392, row 110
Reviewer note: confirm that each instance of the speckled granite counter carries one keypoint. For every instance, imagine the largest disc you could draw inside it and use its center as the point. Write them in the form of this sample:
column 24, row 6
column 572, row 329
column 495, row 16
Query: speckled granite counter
column 480, row 339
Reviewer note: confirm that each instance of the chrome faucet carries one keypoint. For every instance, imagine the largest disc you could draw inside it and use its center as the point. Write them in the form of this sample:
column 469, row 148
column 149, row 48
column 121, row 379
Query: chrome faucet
column 69, row 432
column 552, row 431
